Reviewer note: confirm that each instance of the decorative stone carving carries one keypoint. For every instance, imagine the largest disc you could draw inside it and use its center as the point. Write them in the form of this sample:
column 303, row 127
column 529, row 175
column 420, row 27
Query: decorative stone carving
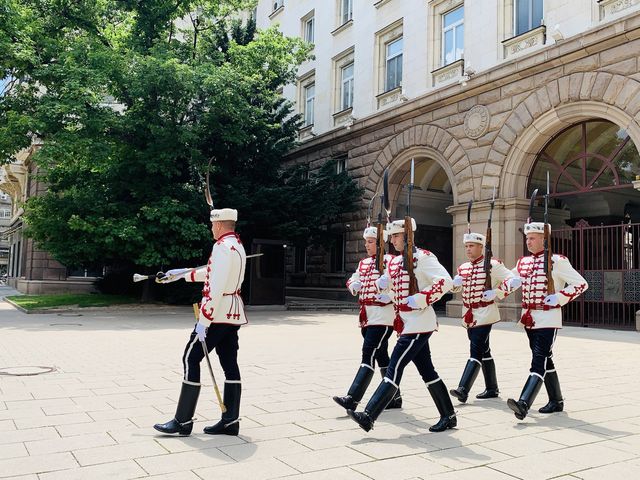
column 527, row 40
column 612, row 7
column 476, row 121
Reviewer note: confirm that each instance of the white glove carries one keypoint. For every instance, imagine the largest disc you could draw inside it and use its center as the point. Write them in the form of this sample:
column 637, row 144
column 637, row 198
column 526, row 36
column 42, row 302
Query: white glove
column 488, row 295
column 173, row 275
column 383, row 298
column 355, row 287
column 551, row 300
column 383, row 282
column 412, row 301
column 457, row 281
column 201, row 332
column 514, row 282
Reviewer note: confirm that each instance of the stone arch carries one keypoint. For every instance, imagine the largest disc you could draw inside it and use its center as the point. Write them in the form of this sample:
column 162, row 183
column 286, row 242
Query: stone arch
column 552, row 107
column 425, row 140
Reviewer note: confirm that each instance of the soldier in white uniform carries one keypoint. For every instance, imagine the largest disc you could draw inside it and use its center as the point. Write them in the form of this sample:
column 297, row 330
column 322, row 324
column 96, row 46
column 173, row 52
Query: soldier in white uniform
column 221, row 314
column 415, row 322
column 542, row 317
column 479, row 312
column 376, row 322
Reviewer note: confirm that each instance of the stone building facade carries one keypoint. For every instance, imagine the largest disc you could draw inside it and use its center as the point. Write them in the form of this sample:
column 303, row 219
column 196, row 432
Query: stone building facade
column 30, row 269
column 570, row 105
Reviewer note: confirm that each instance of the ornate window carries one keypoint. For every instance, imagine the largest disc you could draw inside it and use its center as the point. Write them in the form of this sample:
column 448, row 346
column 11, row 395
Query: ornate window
column 452, row 35
column 591, row 156
column 528, row 15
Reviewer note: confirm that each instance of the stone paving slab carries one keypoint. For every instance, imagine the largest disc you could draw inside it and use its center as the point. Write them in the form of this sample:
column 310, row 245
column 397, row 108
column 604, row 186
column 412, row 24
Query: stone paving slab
column 117, row 371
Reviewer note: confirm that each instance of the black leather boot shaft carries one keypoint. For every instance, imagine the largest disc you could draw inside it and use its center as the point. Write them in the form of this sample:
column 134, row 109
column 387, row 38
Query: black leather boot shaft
column 380, row 398
column 360, row 383
column 438, row 391
column 229, row 424
column 490, row 379
column 469, row 375
column 396, row 401
column 356, row 391
column 552, row 384
column 527, row 397
column 182, row 424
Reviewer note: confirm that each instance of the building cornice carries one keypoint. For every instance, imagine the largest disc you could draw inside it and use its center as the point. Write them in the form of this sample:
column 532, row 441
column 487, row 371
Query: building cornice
column 593, row 41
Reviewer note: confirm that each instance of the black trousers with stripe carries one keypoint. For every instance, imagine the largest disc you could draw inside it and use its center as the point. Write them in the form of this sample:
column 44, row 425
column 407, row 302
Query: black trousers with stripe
column 412, row 348
column 224, row 338
column 375, row 347
column 541, row 342
column 479, row 342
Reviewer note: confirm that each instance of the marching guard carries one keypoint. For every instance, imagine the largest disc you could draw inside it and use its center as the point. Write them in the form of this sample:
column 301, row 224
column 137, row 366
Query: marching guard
column 548, row 282
column 220, row 316
column 482, row 280
column 416, row 280
column 480, row 312
column 376, row 321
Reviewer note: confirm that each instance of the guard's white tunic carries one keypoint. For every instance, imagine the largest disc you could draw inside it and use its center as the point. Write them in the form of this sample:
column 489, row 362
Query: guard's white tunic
column 475, row 311
column 372, row 312
column 222, row 277
column 568, row 285
column 433, row 282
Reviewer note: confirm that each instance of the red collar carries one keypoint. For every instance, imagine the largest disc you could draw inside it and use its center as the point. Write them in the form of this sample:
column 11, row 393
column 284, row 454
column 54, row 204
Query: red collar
column 537, row 254
column 228, row 234
column 478, row 260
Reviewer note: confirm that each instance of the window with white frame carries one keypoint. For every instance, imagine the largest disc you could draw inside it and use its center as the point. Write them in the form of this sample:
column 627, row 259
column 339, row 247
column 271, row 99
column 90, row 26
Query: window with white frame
column 341, row 165
column 5, row 213
column 393, row 64
column 309, row 101
column 346, row 86
column 452, row 35
column 527, row 15
column 309, row 24
column 346, row 10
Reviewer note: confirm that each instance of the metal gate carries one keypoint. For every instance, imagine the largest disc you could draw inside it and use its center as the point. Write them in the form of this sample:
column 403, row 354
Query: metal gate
column 608, row 257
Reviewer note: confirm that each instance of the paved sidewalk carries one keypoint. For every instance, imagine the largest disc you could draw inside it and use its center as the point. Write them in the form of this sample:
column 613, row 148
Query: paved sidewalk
column 118, row 372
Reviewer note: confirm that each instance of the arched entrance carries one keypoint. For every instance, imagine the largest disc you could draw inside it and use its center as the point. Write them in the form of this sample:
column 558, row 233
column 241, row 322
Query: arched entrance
column 433, row 194
column 595, row 215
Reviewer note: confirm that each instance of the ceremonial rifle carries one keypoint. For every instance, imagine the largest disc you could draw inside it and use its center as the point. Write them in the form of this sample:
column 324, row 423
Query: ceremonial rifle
column 548, row 261
column 409, row 248
column 488, row 254
column 384, row 204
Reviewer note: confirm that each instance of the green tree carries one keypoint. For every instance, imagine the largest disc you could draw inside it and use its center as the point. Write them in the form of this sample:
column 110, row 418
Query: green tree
column 130, row 101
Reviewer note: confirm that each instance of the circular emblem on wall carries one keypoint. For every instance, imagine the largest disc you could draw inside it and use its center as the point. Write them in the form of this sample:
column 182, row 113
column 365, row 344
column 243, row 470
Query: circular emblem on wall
column 476, row 121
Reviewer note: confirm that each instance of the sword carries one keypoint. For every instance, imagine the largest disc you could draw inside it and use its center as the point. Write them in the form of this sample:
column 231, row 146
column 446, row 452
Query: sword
column 469, row 216
column 223, row 408
column 158, row 277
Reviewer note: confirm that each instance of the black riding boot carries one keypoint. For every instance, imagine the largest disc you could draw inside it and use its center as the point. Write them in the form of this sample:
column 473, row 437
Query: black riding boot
column 230, row 422
column 396, row 402
column 527, row 397
column 438, row 391
column 556, row 402
column 490, row 379
column 356, row 390
column 379, row 400
column 182, row 424
column 469, row 375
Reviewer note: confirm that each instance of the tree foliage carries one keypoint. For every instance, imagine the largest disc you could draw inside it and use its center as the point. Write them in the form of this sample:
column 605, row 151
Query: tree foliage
column 130, row 101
